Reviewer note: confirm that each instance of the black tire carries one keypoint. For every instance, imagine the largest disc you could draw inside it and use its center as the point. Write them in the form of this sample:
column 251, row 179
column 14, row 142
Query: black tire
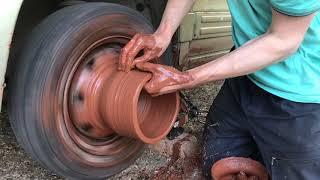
column 35, row 89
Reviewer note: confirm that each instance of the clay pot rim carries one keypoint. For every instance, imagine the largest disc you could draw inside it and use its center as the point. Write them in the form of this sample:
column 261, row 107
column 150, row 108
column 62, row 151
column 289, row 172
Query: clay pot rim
column 135, row 120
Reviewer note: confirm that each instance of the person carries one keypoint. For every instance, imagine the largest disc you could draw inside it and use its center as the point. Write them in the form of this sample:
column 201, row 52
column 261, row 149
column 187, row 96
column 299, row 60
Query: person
column 269, row 106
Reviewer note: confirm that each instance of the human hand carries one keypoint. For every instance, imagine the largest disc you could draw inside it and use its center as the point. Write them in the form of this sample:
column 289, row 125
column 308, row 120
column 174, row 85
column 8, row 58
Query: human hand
column 165, row 79
column 152, row 45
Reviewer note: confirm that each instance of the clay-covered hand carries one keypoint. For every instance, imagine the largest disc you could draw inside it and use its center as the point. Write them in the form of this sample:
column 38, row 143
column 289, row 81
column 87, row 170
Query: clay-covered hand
column 152, row 45
column 165, row 79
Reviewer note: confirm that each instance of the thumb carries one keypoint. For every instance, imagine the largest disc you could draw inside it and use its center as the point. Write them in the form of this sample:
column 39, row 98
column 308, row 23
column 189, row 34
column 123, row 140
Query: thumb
column 146, row 57
column 149, row 67
column 151, row 89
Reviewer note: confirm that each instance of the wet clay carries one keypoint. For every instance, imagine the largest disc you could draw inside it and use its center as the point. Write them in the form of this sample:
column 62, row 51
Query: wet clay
column 107, row 101
column 238, row 168
column 180, row 168
column 163, row 76
column 139, row 42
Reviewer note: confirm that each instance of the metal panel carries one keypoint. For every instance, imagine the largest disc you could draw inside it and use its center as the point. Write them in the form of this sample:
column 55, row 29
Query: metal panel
column 199, row 47
column 210, row 5
column 8, row 17
column 204, row 58
column 183, row 53
column 212, row 18
column 205, row 50
column 212, row 32
column 187, row 28
column 212, row 24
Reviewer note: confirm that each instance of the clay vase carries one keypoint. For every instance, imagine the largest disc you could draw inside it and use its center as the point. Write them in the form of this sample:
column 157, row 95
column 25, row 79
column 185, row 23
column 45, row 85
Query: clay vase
column 132, row 112
column 115, row 102
column 108, row 101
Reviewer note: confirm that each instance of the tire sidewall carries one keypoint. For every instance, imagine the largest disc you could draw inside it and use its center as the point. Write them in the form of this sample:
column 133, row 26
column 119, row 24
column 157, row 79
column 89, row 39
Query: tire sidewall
column 46, row 82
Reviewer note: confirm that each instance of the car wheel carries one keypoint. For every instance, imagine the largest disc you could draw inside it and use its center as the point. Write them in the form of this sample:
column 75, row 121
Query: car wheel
column 41, row 97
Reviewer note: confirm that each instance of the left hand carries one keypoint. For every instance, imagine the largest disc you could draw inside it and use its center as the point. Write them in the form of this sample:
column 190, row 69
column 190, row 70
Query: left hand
column 152, row 45
column 165, row 79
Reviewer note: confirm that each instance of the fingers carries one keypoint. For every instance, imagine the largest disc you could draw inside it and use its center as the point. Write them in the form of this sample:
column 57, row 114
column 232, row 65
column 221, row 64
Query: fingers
column 147, row 56
column 152, row 90
column 138, row 43
column 158, row 51
column 124, row 53
column 148, row 88
column 162, row 81
column 157, row 91
column 149, row 67
column 124, row 60
column 133, row 52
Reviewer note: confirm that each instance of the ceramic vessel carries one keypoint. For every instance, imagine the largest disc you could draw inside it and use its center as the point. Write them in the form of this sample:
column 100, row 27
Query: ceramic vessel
column 115, row 102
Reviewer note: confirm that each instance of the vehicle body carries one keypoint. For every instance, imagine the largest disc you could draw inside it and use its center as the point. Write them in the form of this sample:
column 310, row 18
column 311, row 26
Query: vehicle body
column 204, row 35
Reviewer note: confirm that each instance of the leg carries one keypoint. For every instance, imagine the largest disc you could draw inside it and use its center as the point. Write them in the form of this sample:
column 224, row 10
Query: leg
column 287, row 134
column 225, row 133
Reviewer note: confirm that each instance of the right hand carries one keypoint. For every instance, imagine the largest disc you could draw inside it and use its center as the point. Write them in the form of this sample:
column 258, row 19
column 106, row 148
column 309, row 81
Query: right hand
column 152, row 45
column 165, row 79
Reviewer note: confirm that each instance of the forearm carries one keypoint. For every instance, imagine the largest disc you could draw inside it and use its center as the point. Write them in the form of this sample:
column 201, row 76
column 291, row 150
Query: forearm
column 255, row 55
column 172, row 17
column 283, row 38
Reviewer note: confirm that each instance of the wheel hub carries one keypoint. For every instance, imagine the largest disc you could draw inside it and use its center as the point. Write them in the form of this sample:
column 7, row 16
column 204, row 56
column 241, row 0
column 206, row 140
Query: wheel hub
column 86, row 93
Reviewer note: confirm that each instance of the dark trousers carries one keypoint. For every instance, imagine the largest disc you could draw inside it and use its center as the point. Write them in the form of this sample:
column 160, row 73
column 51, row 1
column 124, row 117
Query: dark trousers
column 246, row 121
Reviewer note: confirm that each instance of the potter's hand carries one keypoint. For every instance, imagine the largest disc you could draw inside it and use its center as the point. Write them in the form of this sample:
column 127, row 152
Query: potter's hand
column 152, row 45
column 165, row 79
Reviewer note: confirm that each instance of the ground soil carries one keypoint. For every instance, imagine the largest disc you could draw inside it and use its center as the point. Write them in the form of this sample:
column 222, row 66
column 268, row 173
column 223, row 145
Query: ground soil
column 16, row 164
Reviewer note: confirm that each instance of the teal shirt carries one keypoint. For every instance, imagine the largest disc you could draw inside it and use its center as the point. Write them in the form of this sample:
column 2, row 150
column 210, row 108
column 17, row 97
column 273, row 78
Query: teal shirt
column 296, row 78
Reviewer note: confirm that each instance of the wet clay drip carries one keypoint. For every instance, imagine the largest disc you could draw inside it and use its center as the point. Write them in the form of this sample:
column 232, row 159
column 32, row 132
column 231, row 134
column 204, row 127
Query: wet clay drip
column 238, row 168
column 105, row 100
column 180, row 168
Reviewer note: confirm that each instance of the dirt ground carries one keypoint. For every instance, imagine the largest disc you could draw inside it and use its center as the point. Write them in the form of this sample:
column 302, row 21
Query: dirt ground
column 16, row 164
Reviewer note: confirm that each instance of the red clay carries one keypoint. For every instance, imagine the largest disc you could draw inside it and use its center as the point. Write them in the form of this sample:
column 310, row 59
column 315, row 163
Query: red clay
column 115, row 102
column 238, row 168
column 145, row 42
column 163, row 77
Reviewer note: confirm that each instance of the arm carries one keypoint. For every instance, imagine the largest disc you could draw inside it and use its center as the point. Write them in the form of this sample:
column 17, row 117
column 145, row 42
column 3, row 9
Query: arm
column 172, row 17
column 281, row 40
column 155, row 44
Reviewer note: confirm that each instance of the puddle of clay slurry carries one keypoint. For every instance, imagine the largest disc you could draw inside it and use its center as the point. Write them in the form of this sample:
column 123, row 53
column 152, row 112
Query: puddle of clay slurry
column 180, row 168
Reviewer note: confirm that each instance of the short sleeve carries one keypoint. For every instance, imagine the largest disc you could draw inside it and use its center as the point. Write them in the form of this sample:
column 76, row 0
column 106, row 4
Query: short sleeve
column 296, row 7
